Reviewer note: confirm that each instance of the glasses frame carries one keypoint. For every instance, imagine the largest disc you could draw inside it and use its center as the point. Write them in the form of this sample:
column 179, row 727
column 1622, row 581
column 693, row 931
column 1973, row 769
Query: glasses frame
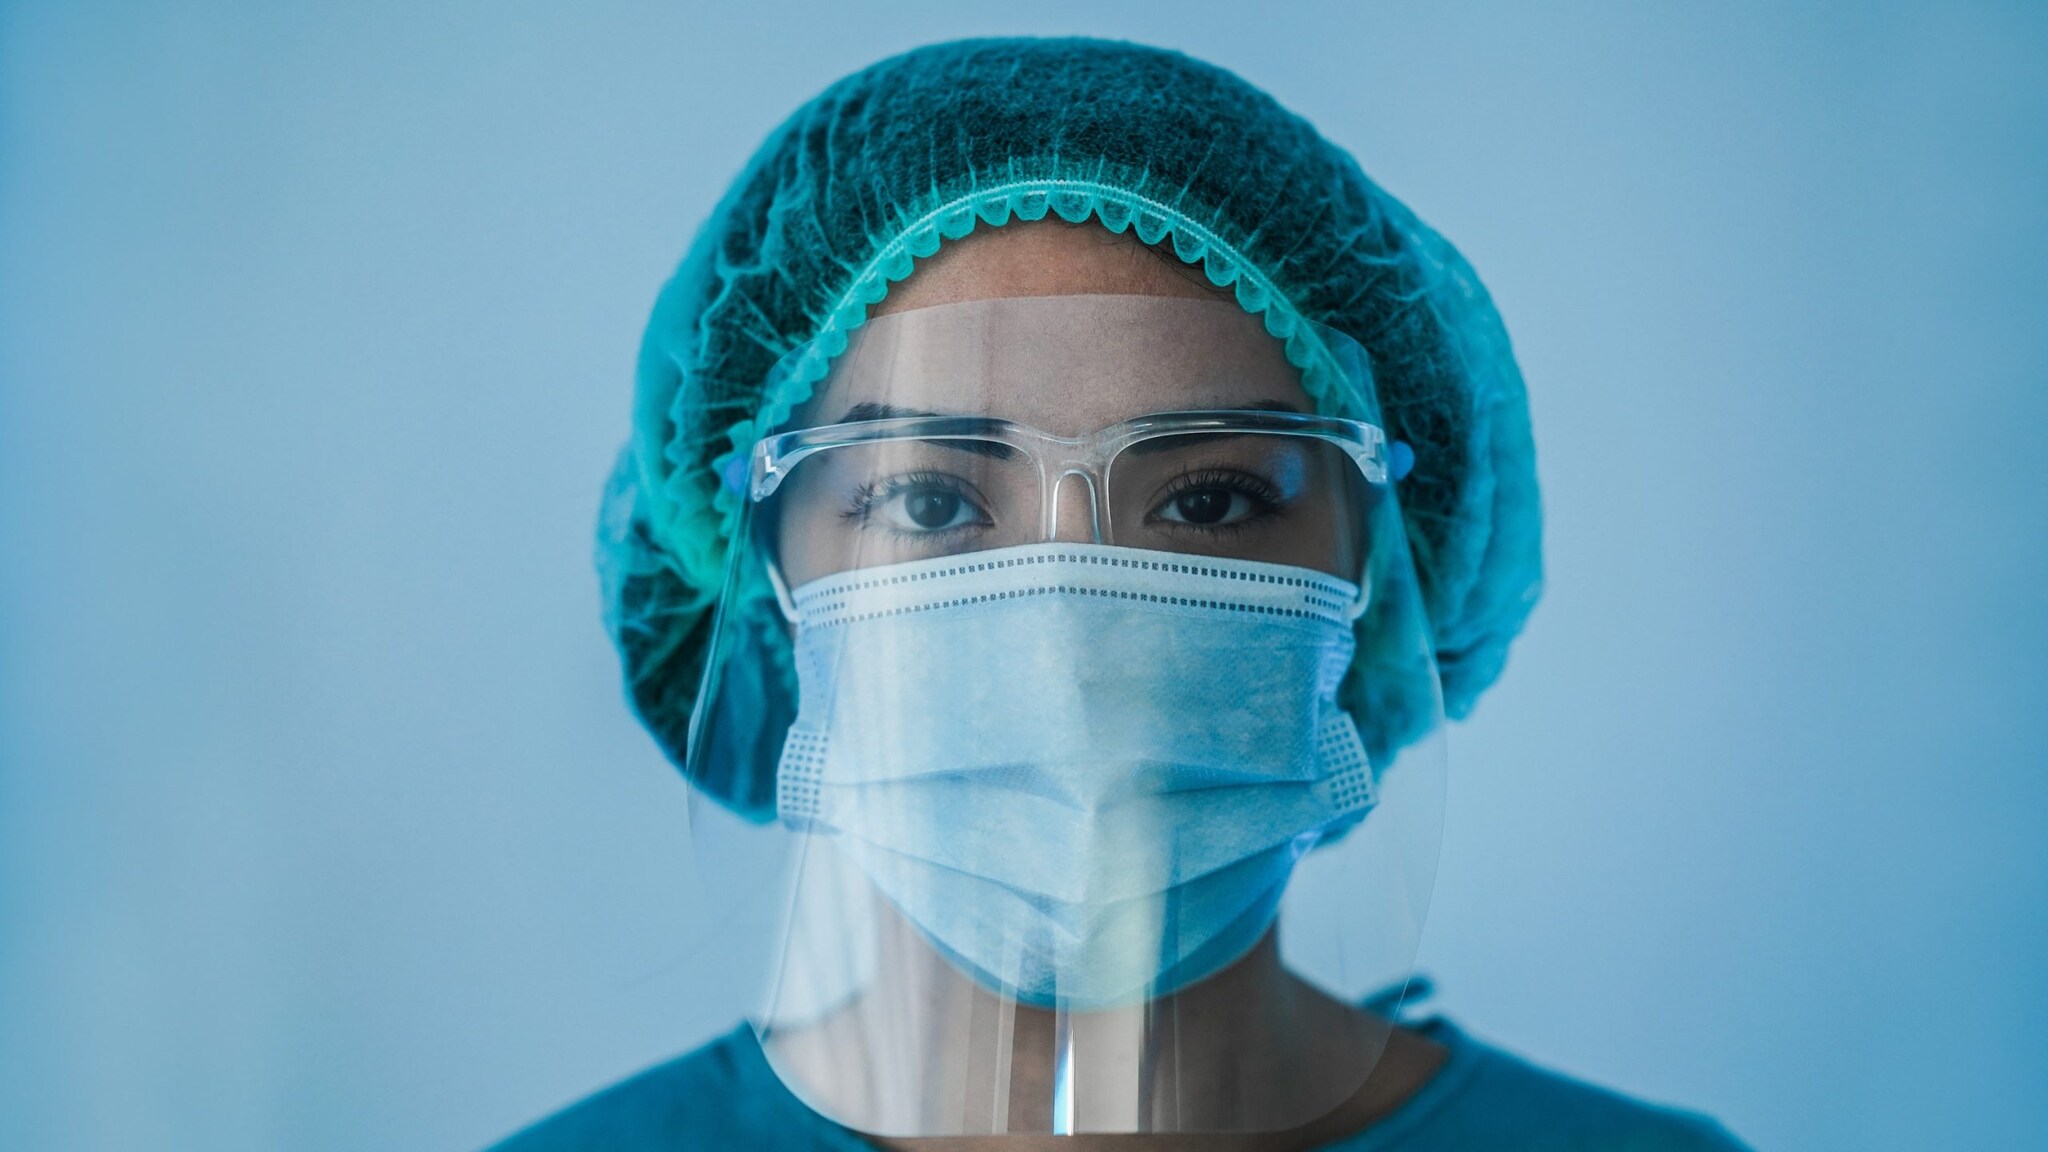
column 1059, row 457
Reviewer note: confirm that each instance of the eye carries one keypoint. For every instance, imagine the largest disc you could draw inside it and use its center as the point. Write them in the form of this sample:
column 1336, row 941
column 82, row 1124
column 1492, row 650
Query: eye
column 922, row 504
column 1215, row 500
column 1206, row 506
column 930, row 509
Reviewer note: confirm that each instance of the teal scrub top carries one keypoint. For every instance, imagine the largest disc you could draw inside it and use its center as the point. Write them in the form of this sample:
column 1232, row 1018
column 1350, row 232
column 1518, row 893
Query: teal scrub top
column 725, row 1096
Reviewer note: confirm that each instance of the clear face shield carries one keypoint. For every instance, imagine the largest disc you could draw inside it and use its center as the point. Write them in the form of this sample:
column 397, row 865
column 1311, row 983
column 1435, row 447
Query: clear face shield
column 1114, row 782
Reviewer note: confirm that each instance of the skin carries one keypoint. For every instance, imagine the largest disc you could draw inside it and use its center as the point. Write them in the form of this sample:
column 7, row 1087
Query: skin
column 1254, row 1014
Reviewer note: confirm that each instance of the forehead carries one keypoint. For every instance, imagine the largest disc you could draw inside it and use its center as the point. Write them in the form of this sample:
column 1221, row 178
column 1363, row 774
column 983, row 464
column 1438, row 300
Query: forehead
column 1067, row 364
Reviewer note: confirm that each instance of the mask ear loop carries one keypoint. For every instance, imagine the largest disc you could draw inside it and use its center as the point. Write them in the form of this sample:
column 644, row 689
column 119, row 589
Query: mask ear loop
column 781, row 586
column 1364, row 601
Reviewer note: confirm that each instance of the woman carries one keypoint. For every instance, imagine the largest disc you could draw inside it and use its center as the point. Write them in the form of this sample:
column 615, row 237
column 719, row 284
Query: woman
column 1065, row 498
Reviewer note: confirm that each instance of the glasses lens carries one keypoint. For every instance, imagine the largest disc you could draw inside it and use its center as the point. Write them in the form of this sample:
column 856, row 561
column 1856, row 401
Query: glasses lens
column 1273, row 497
column 878, row 502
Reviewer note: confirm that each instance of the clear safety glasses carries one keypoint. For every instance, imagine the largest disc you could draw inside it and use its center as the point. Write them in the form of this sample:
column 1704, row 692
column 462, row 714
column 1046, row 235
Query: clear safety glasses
column 1277, row 487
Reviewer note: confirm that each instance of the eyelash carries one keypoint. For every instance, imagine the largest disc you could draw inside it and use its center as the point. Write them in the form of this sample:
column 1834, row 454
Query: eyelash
column 874, row 492
column 1261, row 493
column 861, row 507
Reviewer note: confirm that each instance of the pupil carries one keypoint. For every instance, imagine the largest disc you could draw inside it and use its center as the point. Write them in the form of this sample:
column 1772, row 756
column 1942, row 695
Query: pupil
column 933, row 508
column 1206, row 506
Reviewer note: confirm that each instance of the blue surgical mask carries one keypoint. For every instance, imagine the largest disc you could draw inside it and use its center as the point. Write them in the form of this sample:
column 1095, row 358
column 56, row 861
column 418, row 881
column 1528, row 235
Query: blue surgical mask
column 1084, row 772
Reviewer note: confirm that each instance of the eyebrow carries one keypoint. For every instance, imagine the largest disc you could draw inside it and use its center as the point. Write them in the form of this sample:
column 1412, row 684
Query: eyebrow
column 867, row 411
column 871, row 411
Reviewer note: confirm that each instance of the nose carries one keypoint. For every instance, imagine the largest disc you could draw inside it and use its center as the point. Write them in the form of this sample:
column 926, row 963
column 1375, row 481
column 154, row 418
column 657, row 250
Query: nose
column 1075, row 509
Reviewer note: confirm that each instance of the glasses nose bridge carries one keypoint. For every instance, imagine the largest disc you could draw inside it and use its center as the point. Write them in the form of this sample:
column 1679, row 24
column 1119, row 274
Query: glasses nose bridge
column 1087, row 498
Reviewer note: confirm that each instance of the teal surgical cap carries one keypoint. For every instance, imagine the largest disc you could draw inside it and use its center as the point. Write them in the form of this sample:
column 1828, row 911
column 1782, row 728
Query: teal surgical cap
column 889, row 164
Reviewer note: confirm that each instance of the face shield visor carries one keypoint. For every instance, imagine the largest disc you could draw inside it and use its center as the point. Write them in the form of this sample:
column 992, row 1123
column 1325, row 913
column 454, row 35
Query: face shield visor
column 1113, row 785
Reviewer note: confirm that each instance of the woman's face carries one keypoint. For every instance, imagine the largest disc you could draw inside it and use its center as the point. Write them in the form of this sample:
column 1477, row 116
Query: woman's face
column 1068, row 371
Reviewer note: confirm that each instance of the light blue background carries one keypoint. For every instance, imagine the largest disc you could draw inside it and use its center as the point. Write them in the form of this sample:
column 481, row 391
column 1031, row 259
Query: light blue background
column 322, row 823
